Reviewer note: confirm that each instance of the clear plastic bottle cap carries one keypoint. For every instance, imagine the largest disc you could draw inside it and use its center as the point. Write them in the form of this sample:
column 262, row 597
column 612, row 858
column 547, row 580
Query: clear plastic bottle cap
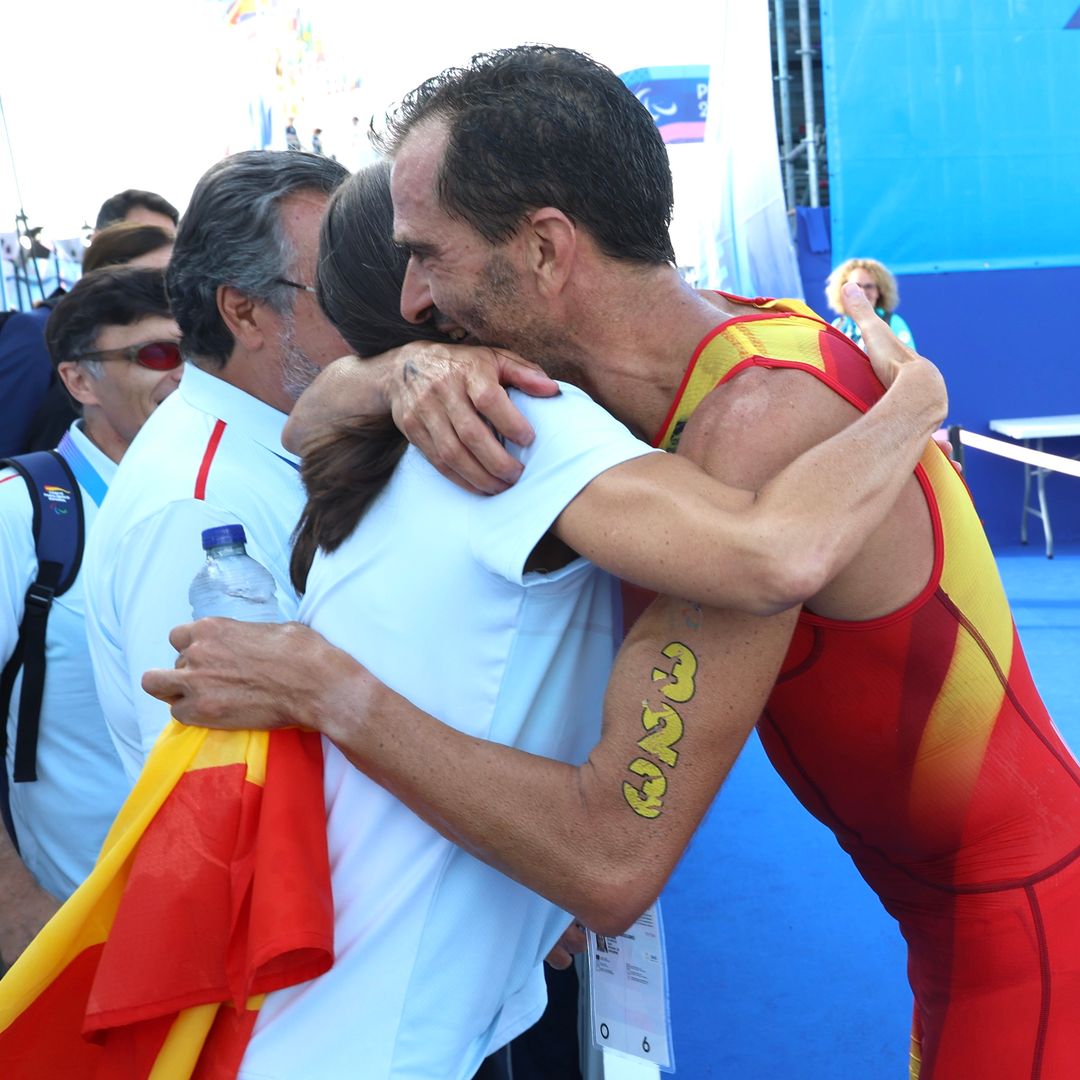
column 223, row 534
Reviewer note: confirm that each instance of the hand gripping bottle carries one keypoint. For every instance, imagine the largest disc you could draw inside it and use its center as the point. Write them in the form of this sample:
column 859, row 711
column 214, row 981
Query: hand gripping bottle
column 231, row 583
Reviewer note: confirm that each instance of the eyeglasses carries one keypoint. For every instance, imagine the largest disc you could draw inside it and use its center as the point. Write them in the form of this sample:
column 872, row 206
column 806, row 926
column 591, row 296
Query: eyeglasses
column 296, row 285
column 155, row 355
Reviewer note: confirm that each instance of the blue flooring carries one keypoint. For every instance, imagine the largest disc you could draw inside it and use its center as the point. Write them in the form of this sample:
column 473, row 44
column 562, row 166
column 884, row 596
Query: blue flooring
column 782, row 963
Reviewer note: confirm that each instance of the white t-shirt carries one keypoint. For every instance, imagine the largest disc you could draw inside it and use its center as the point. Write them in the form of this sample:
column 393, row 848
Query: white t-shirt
column 437, row 955
column 147, row 544
column 62, row 817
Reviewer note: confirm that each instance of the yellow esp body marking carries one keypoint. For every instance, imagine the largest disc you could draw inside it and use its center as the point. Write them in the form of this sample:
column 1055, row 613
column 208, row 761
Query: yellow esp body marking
column 683, row 671
column 646, row 802
column 665, row 727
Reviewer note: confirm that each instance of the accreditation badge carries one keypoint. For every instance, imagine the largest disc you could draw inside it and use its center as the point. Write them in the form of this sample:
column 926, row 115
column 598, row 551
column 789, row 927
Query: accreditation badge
column 629, row 992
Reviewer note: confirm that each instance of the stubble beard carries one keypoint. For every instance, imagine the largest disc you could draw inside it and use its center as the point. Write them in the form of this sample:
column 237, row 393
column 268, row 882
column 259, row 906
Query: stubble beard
column 495, row 316
column 298, row 370
column 486, row 313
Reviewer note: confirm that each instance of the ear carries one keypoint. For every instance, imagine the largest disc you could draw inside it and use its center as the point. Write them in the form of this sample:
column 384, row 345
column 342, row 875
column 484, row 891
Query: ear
column 242, row 316
column 551, row 247
column 80, row 384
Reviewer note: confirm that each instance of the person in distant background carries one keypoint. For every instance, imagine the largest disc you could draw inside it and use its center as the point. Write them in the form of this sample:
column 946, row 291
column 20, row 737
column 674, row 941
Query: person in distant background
column 125, row 243
column 34, row 407
column 316, row 141
column 357, row 142
column 25, row 374
column 880, row 288
column 359, row 152
column 128, row 243
column 142, row 207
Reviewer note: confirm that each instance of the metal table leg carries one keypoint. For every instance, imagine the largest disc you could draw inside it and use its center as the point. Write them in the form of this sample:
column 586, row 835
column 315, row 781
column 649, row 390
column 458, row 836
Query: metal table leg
column 1044, row 509
column 1026, row 509
column 1043, row 512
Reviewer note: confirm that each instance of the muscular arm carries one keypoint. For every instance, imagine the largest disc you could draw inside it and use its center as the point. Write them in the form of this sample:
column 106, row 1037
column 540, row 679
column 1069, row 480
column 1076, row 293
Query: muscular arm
column 824, row 483
column 599, row 840
column 784, row 541
column 661, row 522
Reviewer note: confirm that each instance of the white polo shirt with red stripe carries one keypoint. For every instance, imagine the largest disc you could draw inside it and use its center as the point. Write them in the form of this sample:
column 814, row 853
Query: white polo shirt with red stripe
column 437, row 955
column 210, row 455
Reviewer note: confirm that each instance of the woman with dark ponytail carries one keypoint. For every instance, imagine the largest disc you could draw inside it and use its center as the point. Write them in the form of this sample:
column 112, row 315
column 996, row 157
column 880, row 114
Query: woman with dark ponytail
column 358, row 280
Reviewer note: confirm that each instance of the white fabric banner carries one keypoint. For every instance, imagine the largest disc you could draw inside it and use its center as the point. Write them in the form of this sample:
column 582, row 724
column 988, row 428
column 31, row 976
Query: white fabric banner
column 743, row 238
column 729, row 229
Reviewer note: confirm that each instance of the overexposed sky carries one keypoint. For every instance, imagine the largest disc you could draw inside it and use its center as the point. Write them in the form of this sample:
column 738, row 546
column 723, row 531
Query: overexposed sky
column 103, row 96
column 148, row 93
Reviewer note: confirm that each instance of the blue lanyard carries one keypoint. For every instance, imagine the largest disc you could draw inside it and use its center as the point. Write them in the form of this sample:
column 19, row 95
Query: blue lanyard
column 89, row 478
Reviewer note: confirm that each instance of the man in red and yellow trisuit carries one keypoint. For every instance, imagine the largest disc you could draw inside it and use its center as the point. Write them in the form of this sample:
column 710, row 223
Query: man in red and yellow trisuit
column 532, row 194
column 920, row 739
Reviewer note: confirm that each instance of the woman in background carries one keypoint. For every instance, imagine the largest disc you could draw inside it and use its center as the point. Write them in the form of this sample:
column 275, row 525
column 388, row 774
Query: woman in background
column 880, row 287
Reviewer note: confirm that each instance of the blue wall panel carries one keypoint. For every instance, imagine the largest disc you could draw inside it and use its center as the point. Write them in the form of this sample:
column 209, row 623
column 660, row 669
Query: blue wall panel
column 953, row 133
column 1007, row 343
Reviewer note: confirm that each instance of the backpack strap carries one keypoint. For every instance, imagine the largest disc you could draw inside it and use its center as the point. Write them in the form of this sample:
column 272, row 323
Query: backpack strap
column 59, row 533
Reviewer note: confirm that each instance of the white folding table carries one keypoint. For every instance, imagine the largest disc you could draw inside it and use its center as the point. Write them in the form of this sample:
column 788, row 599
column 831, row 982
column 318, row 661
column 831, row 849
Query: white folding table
column 1031, row 431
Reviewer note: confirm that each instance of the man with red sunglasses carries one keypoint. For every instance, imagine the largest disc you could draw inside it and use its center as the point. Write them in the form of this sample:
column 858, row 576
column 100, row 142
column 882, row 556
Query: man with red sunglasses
column 115, row 348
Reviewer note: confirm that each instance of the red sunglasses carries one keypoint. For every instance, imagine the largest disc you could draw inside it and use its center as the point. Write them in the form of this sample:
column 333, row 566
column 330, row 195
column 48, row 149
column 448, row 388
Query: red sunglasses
column 155, row 355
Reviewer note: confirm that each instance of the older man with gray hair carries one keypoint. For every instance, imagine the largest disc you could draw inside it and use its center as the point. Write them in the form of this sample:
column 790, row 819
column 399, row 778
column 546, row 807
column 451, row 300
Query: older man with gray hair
column 254, row 337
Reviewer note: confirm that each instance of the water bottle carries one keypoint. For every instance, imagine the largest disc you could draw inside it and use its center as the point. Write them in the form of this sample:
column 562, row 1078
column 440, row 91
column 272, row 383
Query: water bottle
column 232, row 583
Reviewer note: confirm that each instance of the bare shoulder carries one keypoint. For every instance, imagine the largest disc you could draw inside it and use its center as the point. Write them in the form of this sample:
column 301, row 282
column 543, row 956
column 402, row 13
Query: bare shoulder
column 727, row 304
column 748, row 428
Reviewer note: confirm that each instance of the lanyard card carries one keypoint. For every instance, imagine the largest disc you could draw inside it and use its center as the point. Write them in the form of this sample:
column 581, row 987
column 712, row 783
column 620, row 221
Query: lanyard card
column 630, row 992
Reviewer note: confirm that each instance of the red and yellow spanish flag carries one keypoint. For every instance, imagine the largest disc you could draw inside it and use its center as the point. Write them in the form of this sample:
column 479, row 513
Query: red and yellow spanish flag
column 212, row 888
